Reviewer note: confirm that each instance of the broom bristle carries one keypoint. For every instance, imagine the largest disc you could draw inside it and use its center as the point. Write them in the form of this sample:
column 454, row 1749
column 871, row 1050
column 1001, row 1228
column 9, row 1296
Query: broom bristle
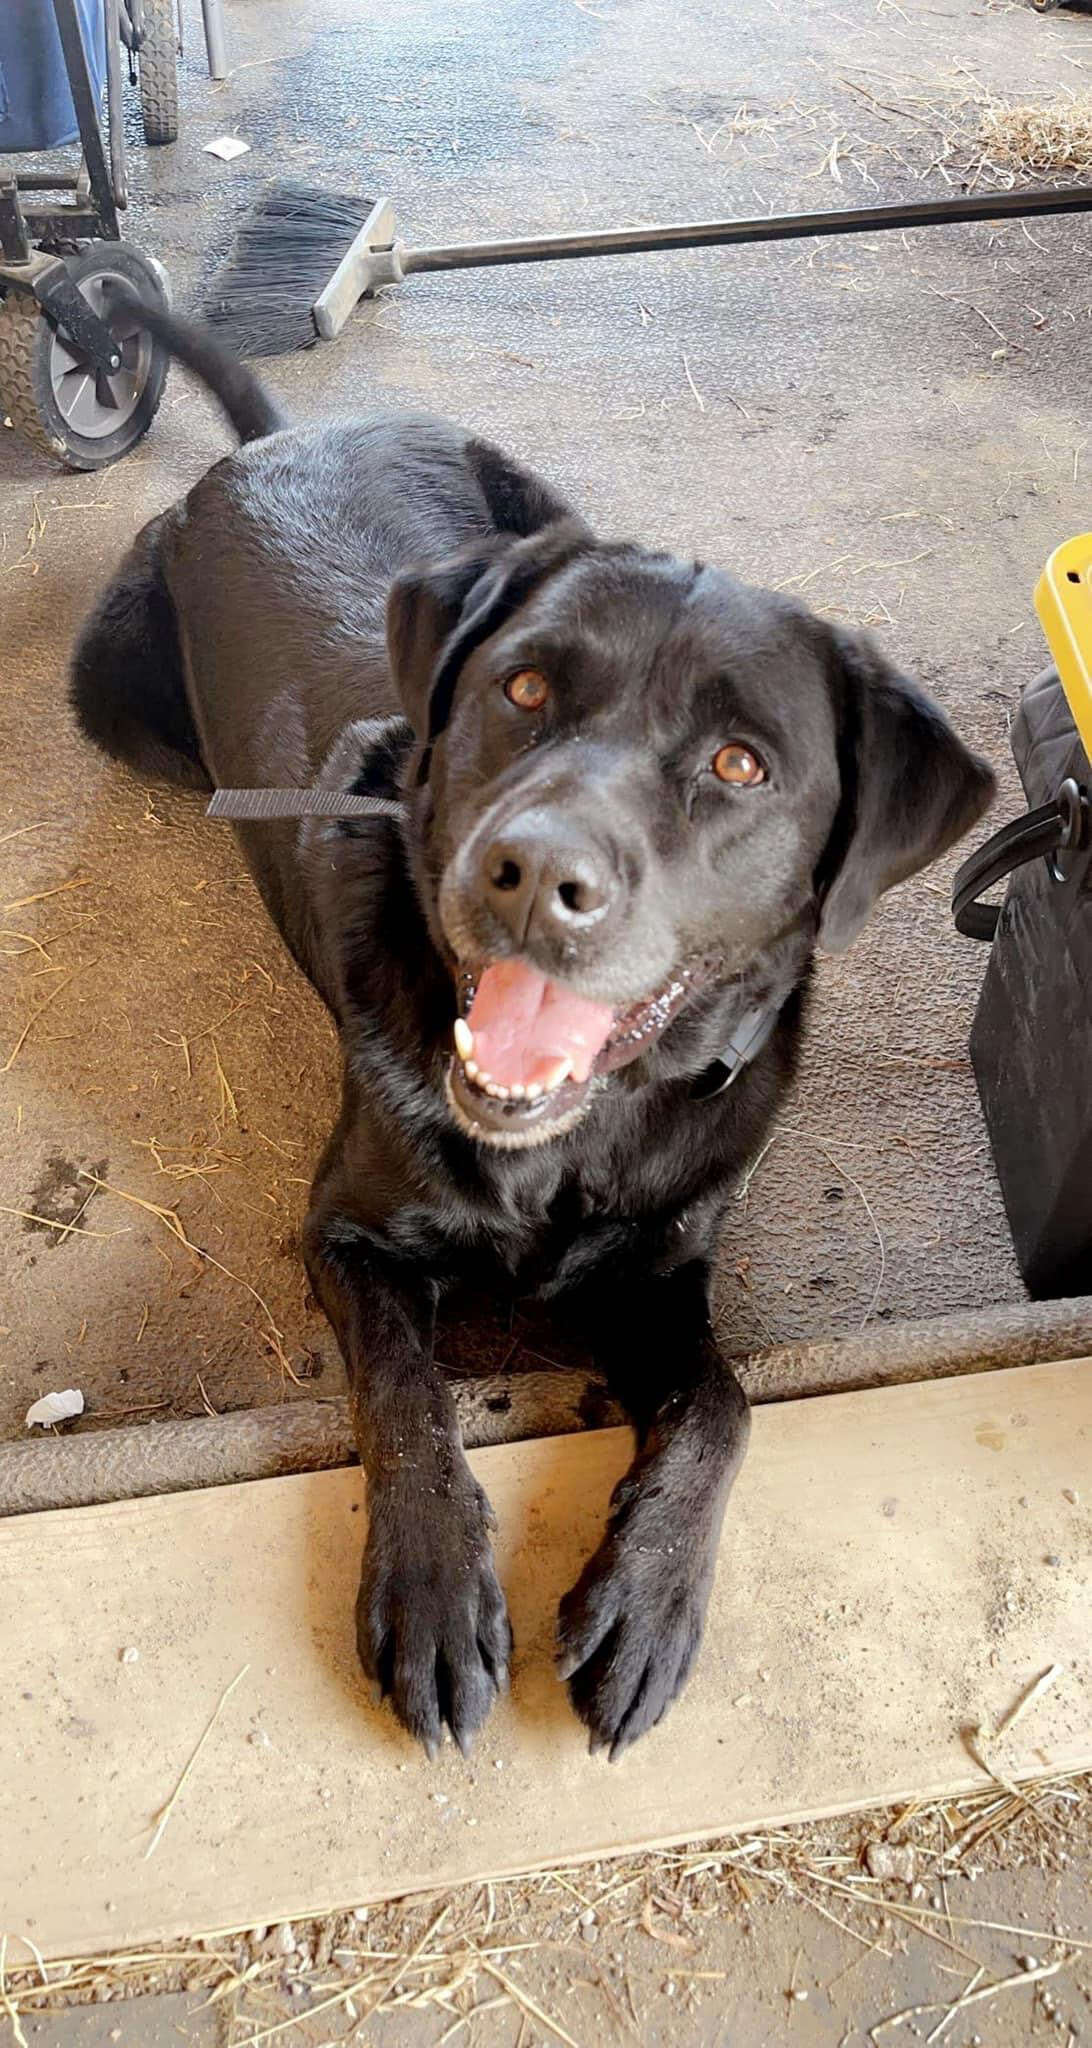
column 286, row 249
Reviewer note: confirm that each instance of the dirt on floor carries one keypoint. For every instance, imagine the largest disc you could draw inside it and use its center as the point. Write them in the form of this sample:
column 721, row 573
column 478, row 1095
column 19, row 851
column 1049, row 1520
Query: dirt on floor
column 966, row 1922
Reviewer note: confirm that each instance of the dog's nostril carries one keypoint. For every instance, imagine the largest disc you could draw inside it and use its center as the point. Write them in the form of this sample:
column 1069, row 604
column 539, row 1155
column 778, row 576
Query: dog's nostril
column 559, row 886
column 581, row 896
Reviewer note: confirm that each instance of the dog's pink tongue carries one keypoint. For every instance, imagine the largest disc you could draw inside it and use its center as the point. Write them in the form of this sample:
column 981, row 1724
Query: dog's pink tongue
column 525, row 1028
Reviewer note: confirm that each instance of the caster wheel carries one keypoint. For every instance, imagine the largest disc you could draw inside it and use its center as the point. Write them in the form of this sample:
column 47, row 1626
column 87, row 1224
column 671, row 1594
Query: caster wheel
column 157, row 72
column 49, row 388
column 1045, row 6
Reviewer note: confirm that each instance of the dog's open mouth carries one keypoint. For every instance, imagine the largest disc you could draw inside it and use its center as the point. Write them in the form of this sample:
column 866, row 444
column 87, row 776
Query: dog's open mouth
column 529, row 1051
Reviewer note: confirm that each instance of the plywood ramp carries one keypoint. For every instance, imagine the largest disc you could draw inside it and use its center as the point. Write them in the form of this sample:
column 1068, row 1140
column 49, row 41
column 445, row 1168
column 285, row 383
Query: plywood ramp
column 895, row 1566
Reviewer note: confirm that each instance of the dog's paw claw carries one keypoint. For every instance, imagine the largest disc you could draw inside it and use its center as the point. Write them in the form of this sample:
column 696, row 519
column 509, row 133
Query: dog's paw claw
column 432, row 1626
column 627, row 1640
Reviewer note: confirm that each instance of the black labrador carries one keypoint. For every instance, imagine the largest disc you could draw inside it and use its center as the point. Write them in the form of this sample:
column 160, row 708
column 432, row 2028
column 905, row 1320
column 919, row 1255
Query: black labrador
column 569, row 976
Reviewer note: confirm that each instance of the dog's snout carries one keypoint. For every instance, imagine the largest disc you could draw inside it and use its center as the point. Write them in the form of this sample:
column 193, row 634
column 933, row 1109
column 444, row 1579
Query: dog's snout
column 540, row 882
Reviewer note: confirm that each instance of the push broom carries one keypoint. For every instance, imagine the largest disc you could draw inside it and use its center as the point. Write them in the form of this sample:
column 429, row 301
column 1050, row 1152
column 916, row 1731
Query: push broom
column 304, row 258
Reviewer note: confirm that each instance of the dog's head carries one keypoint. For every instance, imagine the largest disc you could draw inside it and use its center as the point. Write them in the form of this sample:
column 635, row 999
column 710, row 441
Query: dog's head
column 633, row 775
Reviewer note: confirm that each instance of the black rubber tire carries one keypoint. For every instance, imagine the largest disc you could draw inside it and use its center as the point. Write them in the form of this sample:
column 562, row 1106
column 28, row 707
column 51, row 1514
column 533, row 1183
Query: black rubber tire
column 26, row 388
column 157, row 71
column 20, row 320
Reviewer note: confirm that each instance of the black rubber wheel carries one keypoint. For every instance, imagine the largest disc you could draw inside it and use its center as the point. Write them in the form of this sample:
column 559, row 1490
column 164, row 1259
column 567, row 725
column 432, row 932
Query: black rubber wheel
column 49, row 389
column 157, row 71
column 1045, row 6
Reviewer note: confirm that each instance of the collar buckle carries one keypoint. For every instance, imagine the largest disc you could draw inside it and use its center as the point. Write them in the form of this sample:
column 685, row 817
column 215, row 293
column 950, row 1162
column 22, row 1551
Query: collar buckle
column 751, row 1033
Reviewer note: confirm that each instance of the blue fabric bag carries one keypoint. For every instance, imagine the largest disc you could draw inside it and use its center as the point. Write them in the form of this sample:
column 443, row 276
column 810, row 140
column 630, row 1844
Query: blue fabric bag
column 36, row 110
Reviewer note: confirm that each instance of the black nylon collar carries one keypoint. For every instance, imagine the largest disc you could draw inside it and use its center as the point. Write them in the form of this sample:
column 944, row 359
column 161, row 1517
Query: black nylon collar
column 752, row 1031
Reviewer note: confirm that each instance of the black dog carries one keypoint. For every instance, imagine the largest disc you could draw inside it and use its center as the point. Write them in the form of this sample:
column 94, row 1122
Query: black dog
column 634, row 794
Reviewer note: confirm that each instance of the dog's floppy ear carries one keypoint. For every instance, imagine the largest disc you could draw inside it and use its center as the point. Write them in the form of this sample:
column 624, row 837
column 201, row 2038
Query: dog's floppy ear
column 910, row 788
column 437, row 614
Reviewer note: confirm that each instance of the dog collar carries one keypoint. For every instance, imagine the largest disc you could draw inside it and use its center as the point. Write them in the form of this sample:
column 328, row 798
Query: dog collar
column 751, row 1033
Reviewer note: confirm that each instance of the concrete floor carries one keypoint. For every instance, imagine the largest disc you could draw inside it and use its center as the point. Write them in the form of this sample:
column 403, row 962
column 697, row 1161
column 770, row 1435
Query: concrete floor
column 656, row 1958
column 892, row 425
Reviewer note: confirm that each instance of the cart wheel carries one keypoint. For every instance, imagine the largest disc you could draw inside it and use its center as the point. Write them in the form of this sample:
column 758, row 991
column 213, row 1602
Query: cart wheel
column 157, row 68
column 1045, row 6
column 58, row 402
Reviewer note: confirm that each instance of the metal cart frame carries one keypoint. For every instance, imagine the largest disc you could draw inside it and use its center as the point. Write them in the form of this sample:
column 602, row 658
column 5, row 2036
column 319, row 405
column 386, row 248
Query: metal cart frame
column 99, row 191
column 79, row 378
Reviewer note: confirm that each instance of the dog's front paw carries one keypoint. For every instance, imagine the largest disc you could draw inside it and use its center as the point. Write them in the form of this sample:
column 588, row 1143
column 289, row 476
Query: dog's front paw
column 431, row 1622
column 627, row 1635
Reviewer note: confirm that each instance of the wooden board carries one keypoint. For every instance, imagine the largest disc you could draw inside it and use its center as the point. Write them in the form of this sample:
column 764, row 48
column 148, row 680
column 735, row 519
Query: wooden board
column 896, row 1565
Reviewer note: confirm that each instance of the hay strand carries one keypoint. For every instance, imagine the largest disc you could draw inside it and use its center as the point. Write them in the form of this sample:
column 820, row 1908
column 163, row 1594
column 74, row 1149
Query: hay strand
column 1057, row 137
column 166, row 1811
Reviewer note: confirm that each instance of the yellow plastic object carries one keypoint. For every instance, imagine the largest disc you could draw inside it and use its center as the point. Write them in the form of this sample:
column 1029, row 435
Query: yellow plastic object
column 1063, row 600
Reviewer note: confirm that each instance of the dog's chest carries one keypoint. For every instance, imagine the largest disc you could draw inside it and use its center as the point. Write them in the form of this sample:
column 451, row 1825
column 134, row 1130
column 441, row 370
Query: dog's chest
column 619, row 1184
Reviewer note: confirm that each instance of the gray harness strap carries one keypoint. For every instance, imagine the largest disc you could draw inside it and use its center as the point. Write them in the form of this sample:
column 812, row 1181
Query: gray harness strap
column 252, row 804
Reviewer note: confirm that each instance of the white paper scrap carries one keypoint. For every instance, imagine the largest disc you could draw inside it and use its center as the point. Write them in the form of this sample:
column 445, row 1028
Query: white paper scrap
column 226, row 147
column 55, row 1408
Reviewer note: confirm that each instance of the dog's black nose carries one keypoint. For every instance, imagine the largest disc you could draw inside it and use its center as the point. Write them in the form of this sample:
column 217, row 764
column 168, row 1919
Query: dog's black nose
column 539, row 881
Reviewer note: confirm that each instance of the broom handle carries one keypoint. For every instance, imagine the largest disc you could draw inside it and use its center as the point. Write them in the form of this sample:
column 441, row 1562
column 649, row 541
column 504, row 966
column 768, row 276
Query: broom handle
column 785, row 227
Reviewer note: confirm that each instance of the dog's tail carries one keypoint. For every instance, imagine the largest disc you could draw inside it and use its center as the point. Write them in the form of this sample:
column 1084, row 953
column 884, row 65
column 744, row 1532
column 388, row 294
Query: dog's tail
column 244, row 399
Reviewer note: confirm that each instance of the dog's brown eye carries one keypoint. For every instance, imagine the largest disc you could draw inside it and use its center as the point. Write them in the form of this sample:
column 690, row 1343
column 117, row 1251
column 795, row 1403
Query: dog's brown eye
column 528, row 689
column 737, row 764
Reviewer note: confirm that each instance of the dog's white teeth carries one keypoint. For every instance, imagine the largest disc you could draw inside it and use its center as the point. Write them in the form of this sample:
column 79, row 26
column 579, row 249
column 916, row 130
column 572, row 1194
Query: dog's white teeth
column 519, row 1091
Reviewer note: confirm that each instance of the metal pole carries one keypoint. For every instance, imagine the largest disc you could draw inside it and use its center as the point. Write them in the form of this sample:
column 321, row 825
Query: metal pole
column 14, row 246
column 787, row 227
column 87, row 115
column 214, row 37
column 113, row 104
